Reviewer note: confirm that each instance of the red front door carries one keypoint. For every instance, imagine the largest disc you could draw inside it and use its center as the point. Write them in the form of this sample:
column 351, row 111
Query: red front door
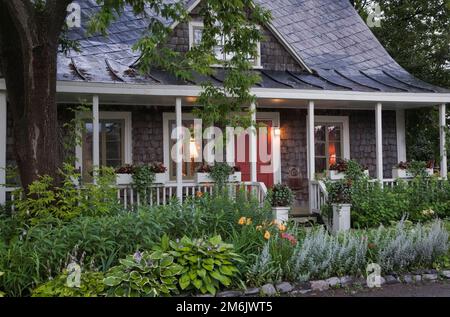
column 264, row 163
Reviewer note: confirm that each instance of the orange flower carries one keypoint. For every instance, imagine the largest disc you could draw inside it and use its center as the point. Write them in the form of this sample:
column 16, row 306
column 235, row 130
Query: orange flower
column 259, row 227
column 267, row 235
column 249, row 221
column 242, row 221
column 281, row 227
column 199, row 194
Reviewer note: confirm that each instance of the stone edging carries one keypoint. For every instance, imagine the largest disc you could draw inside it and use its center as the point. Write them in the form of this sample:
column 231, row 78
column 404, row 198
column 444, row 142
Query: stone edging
column 286, row 288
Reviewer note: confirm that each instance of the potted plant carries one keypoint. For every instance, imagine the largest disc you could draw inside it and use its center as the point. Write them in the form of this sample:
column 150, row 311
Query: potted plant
column 160, row 172
column 203, row 174
column 236, row 176
column 339, row 196
column 401, row 170
column 281, row 198
column 124, row 175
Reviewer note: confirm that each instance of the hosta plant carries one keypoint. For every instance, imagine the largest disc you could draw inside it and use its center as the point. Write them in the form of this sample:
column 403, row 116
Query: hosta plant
column 207, row 264
column 91, row 286
column 146, row 274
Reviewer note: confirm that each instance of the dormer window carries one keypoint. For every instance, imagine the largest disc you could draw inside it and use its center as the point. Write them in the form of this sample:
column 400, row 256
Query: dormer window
column 195, row 38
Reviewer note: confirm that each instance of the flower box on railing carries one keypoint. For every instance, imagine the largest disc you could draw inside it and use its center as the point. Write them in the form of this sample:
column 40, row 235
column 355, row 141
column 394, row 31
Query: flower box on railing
column 201, row 178
column 160, row 178
column 401, row 173
column 336, row 175
column 124, row 179
column 236, row 177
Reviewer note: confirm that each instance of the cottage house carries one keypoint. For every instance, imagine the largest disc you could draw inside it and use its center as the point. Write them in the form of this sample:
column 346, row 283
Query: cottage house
column 329, row 90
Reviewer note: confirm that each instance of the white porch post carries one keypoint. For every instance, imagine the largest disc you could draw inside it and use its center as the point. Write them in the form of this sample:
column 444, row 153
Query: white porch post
column 253, row 147
column 3, row 130
column 95, row 134
column 179, row 149
column 379, row 140
column 443, row 143
column 311, row 143
column 311, row 153
column 401, row 135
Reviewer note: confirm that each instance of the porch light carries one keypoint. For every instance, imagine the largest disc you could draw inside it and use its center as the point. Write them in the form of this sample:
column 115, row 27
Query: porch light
column 277, row 131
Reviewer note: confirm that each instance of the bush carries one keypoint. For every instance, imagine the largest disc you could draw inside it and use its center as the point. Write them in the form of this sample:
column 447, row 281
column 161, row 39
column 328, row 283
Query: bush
column 91, row 286
column 147, row 274
column 281, row 196
column 404, row 246
column 66, row 202
column 207, row 264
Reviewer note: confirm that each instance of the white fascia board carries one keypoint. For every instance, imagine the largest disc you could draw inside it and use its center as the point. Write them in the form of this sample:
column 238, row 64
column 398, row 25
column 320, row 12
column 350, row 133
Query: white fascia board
column 262, row 93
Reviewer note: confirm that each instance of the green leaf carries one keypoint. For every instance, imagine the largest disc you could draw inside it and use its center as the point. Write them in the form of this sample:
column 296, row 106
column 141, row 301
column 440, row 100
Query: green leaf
column 111, row 281
column 197, row 283
column 185, row 281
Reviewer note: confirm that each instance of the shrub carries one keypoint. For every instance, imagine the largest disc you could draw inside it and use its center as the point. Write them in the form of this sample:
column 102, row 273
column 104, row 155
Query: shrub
column 281, row 196
column 147, row 274
column 207, row 264
column 91, row 286
column 66, row 202
column 403, row 247
column 321, row 255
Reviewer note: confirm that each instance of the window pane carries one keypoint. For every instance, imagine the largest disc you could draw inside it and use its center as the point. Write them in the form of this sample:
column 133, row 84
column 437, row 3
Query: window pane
column 321, row 165
column 320, row 149
column 334, row 152
column 197, row 36
column 320, row 133
column 334, row 133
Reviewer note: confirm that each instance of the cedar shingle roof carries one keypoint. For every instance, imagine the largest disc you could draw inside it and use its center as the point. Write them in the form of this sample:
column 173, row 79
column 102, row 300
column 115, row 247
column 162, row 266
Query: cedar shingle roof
column 328, row 35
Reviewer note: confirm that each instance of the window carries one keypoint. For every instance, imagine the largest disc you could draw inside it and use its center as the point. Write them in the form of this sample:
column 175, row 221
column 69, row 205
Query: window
column 195, row 151
column 328, row 147
column 332, row 141
column 115, row 142
column 191, row 147
column 195, row 37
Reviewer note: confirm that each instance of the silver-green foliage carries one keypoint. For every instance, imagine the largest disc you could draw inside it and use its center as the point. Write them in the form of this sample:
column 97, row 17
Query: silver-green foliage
column 323, row 255
column 402, row 246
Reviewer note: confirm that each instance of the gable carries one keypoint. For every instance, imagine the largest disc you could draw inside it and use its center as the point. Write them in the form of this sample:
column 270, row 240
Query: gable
column 274, row 55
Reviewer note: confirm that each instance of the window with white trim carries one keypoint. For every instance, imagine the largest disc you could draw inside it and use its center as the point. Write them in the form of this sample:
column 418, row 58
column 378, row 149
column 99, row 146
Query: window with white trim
column 115, row 142
column 195, row 38
column 328, row 147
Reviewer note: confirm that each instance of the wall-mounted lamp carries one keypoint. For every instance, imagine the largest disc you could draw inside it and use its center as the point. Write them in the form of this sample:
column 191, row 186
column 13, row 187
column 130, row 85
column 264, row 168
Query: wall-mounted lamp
column 277, row 131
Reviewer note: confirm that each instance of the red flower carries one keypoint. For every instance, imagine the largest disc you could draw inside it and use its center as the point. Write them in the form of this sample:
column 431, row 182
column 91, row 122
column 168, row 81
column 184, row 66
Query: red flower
column 290, row 238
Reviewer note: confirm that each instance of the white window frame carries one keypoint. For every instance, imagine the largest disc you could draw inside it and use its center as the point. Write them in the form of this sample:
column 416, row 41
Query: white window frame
column 344, row 120
column 197, row 24
column 128, row 138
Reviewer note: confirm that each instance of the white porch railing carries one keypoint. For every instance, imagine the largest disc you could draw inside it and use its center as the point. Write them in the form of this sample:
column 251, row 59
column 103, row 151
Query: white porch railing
column 164, row 194
column 319, row 195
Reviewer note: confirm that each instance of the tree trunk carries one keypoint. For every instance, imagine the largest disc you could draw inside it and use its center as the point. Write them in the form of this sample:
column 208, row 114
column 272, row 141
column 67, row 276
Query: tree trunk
column 28, row 52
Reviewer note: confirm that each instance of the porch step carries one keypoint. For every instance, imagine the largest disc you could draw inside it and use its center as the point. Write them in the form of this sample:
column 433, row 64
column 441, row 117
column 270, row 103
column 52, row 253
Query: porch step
column 305, row 220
